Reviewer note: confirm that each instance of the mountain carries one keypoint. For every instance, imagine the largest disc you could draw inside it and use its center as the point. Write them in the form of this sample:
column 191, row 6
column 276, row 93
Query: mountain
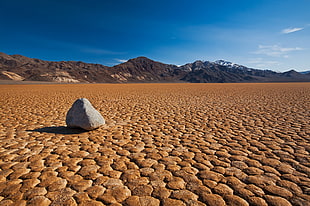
column 203, row 72
column 305, row 72
column 29, row 69
column 140, row 69
column 230, row 65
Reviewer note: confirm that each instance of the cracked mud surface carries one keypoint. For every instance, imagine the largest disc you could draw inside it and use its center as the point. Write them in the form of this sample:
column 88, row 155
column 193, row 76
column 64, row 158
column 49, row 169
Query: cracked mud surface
column 163, row 144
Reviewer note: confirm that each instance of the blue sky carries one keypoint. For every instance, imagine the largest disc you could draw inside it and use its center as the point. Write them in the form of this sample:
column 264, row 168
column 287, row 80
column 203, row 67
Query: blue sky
column 266, row 34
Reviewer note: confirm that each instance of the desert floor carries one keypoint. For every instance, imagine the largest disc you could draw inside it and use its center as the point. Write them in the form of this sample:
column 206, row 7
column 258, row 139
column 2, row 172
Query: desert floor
column 163, row 144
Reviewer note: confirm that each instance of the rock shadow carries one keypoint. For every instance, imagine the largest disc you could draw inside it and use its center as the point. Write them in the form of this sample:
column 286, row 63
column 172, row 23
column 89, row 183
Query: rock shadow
column 59, row 130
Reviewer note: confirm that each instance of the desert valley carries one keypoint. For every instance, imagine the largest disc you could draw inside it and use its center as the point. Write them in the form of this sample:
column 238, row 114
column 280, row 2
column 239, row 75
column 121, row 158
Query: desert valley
column 154, row 103
column 162, row 144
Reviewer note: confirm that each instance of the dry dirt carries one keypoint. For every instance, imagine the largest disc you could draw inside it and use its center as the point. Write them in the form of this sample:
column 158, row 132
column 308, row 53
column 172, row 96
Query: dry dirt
column 163, row 144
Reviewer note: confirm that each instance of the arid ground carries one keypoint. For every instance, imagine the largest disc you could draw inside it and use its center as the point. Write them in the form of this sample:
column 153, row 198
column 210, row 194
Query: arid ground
column 163, row 144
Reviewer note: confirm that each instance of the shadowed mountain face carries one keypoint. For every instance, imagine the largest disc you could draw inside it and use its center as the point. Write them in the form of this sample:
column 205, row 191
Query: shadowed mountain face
column 141, row 69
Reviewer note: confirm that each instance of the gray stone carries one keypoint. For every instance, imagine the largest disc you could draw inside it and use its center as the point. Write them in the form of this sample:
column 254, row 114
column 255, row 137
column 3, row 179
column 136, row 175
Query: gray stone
column 83, row 115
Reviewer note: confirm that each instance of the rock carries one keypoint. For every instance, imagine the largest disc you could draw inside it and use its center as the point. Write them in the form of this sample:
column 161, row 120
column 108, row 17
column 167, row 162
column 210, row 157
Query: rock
column 223, row 189
column 132, row 201
column 18, row 203
column 39, row 200
column 260, row 180
column 293, row 187
column 184, row 195
column 209, row 183
column 173, row 202
column 213, row 199
column 58, row 185
column 112, row 182
column 285, row 168
column 279, row 191
column 257, row 201
column 277, row 201
column 149, row 201
column 209, row 175
column 86, row 171
column 83, row 115
column 92, row 203
column 235, row 200
column 176, row 183
column 130, row 175
column 161, row 192
column 11, row 189
column 244, row 193
column 120, row 193
column 82, row 185
column 81, row 197
column 256, row 190
column 142, row 190
column 107, row 199
column 95, row 191
column 253, row 171
column 29, row 183
column 6, row 202
column 37, row 191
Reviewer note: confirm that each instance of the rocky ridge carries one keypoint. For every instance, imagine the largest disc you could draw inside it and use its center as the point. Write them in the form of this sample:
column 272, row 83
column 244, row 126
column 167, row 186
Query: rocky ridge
column 140, row 69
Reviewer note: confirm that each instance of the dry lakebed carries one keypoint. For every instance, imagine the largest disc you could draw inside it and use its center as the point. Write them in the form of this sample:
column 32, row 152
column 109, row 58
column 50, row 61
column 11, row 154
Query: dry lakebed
column 162, row 144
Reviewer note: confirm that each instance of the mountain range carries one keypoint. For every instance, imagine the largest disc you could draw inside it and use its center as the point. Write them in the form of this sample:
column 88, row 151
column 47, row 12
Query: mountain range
column 138, row 70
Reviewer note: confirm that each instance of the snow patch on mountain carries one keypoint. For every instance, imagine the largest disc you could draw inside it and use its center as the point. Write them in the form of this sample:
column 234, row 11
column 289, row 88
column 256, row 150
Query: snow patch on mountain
column 231, row 65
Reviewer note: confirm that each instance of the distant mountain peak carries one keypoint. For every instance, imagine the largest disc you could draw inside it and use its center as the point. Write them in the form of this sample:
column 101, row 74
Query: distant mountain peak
column 228, row 64
column 305, row 72
column 292, row 71
column 139, row 58
column 223, row 62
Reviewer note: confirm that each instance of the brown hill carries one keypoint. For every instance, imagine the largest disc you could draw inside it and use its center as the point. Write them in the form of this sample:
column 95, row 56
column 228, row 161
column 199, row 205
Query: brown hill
column 142, row 69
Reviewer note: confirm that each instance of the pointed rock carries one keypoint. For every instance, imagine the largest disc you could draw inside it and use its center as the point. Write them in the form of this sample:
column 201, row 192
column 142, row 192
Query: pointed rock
column 83, row 115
